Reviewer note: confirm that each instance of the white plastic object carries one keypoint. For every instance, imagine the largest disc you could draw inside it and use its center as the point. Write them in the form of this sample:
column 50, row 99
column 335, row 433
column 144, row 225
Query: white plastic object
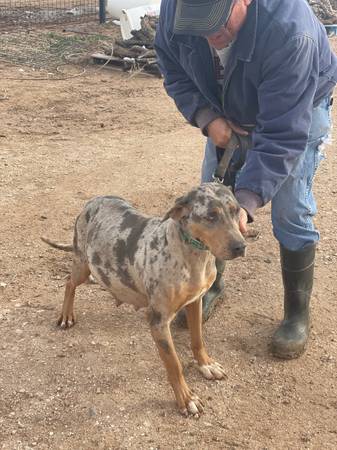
column 115, row 7
column 130, row 18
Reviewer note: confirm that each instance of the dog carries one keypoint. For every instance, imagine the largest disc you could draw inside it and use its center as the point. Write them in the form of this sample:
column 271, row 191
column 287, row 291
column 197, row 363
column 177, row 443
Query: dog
column 163, row 264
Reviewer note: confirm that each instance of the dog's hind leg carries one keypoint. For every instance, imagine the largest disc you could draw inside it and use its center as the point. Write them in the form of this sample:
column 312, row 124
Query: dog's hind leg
column 209, row 368
column 188, row 402
column 79, row 274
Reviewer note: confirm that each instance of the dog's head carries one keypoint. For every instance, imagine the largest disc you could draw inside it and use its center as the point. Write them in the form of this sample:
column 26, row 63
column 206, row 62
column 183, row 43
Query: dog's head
column 210, row 213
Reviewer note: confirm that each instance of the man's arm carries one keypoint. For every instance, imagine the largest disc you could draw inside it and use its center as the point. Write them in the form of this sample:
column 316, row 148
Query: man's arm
column 179, row 86
column 285, row 96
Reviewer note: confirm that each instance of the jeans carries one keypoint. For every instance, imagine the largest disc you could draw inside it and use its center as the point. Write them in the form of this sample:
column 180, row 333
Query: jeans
column 293, row 207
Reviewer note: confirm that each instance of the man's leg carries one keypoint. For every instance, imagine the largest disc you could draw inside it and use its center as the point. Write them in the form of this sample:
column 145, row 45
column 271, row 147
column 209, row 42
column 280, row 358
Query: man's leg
column 293, row 209
column 209, row 163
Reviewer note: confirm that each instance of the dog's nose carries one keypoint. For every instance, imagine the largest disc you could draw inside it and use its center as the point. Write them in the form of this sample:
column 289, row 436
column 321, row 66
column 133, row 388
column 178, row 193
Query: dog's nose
column 238, row 248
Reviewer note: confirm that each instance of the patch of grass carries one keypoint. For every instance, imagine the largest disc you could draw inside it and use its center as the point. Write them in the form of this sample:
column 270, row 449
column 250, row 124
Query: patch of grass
column 48, row 50
column 61, row 44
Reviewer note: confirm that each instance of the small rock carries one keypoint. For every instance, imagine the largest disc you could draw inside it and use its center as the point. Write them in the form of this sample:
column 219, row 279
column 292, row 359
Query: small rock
column 207, row 424
column 92, row 412
column 326, row 358
column 306, row 437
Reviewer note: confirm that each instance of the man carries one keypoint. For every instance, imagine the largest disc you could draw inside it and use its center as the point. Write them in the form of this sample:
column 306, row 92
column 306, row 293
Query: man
column 278, row 77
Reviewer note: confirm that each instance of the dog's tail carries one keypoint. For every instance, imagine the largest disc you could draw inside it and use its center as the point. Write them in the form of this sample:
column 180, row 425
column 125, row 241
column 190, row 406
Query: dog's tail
column 64, row 247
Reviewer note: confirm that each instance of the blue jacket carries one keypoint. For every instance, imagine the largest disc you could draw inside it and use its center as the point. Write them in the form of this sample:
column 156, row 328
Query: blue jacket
column 279, row 68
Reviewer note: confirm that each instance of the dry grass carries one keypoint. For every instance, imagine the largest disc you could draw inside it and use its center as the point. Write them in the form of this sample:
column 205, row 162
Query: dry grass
column 46, row 49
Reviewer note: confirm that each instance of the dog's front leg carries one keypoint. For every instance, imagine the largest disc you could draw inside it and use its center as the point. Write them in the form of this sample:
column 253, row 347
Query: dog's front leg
column 188, row 402
column 206, row 365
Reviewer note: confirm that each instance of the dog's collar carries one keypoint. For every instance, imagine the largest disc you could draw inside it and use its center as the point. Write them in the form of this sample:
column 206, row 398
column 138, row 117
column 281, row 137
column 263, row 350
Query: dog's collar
column 186, row 237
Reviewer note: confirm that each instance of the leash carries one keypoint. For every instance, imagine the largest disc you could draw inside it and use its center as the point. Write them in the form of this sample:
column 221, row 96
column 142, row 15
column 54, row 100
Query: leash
column 236, row 142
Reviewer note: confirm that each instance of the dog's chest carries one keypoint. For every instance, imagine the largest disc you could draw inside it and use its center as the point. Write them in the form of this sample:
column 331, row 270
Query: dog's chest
column 199, row 281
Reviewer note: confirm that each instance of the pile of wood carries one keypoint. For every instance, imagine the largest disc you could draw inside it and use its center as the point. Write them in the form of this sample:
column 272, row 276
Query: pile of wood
column 324, row 11
column 137, row 53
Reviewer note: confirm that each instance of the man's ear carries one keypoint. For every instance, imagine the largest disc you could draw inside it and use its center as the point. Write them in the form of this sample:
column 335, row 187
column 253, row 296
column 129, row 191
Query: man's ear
column 181, row 209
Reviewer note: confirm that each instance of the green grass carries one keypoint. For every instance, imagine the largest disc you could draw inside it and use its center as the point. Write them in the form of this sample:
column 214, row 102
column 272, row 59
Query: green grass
column 61, row 44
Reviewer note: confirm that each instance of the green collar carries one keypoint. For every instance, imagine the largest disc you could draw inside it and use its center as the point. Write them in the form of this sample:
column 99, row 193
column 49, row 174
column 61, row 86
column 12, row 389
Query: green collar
column 186, row 237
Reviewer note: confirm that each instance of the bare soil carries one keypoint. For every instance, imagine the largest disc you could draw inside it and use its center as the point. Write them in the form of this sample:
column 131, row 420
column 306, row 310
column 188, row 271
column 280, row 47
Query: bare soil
column 101, row 384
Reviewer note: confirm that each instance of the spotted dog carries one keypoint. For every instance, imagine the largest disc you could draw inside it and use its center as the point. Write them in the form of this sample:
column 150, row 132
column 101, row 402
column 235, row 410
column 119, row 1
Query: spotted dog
column 163, row 264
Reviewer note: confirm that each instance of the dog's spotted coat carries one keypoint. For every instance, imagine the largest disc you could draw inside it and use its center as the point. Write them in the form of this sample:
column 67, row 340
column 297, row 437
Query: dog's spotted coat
column 144, row 261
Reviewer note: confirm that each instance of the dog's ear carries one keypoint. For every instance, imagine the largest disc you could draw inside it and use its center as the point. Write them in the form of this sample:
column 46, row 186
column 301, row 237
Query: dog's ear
column 181, row 209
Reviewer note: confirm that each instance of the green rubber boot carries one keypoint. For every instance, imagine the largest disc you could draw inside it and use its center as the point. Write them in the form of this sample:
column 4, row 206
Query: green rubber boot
column 213, row 295
column 209, row 300
column 290, row 339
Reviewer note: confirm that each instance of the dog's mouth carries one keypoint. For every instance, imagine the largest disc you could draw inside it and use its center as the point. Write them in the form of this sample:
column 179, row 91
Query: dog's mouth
column 239, row 249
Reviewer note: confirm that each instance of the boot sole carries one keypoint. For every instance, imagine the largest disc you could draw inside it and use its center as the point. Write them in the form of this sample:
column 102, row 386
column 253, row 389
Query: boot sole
column 287, row 355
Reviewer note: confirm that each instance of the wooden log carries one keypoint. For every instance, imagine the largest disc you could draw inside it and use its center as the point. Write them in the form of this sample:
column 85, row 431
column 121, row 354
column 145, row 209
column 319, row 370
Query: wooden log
column 132, row 52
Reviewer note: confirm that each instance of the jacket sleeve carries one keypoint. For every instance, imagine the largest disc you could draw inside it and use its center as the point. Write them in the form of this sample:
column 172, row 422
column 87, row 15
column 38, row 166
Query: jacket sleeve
column 179, row 86
column 289, row 79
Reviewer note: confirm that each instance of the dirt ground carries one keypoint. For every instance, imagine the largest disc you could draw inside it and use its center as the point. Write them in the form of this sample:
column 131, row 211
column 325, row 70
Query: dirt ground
column 101, row 384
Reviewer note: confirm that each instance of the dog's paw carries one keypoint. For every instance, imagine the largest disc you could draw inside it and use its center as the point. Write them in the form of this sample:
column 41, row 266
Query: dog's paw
column 193, row 407
column 212, row 371
column 66, row 321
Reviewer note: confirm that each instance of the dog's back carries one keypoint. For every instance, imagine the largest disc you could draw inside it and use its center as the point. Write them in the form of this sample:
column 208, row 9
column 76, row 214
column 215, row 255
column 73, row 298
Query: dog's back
column 109, row 236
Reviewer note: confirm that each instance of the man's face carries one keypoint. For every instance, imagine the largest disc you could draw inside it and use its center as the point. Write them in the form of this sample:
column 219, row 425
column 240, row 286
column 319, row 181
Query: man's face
column 225, row 35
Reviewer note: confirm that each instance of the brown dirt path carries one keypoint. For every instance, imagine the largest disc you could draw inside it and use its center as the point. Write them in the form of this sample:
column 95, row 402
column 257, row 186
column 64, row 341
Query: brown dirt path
column 101, row 384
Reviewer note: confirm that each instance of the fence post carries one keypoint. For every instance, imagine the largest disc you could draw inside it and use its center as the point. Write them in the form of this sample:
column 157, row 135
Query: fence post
column 102, row 15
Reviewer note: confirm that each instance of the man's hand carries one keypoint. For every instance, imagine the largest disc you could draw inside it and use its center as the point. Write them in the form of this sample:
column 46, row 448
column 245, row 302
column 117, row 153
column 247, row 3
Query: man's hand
column 243, row 220
column 220, row 131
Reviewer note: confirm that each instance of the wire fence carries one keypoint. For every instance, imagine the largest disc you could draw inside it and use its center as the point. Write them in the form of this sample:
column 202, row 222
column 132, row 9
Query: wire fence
column 28, row 12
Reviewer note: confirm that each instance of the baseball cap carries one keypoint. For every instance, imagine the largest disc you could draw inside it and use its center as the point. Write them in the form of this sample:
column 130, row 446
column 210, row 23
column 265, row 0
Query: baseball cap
column 201, row 17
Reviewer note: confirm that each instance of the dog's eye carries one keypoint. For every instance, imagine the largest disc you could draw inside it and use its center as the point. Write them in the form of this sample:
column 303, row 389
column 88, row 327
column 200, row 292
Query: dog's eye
column 212, row 216
column 234, row 210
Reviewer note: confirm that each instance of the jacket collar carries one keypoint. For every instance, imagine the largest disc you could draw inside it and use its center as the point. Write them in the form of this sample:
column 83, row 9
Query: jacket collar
column 246, row 40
